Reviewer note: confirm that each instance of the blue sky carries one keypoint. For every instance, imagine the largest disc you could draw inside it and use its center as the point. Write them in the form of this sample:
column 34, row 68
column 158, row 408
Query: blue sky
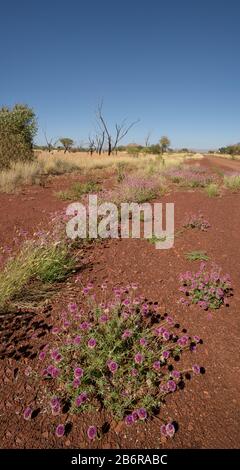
column 173, row 64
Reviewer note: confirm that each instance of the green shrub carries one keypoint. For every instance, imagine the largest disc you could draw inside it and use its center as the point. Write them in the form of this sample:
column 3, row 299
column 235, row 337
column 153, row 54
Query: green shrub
column 212, row 190
column 17, row 129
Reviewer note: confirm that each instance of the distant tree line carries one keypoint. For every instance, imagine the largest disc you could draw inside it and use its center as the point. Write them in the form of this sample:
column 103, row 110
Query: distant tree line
column 231, row 149
column 18, row 127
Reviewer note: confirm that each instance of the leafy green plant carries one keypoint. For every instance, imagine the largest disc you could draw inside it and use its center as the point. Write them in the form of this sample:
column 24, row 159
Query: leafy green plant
column 208, row 289
column 197, row 256
column 111, row 358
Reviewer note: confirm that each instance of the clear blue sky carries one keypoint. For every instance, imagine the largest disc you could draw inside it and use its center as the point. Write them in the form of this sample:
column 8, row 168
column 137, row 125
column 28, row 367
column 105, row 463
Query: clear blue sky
column 174, row 64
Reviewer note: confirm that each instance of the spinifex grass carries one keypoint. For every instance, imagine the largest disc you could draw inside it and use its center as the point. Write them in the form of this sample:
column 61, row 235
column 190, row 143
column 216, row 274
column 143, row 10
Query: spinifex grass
column 113, row 355
column 46, row 263
column 208, row 289
column 197, row 256
column 232, row 181
column 212, row 190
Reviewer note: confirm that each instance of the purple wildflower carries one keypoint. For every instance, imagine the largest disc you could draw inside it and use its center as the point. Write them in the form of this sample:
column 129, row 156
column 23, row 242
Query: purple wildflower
column 135, row 416
column 196, row 338
column 76, row 382
column 81, row 398
column 60, row 430
column 27, row 413
column 126, row 334
column 166, row 335
column 66, row 324
column 170, row 321
column 166, row 354
column 113, row 366
column 170, row 430
column 92, row 343
column 129, row 420
column 72, row 307
column 42, row 355
column 84, row 325
column 176, row 374
column 92, row 432
column 77, row 340
column 58, row 357
column 142, row 413
column 157, row 365
column 163, row 430
column 55, row 330
column 103, row 318
column 143, row 342
column 196, row 369
column 138, row 358
column 54, row 402
column 171, row 386
column 78, row 372
column 55, row 372
column 56, row 408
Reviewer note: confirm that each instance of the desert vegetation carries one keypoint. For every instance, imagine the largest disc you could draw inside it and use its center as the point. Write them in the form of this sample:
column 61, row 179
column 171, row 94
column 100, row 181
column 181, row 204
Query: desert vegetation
column 108, row 351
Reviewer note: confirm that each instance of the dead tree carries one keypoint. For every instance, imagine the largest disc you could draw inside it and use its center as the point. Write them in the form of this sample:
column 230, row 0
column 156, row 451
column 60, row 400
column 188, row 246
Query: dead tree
column 147, row 140
column 91, row 145
column 121, row 130
column 50, row 144
column 100, row 138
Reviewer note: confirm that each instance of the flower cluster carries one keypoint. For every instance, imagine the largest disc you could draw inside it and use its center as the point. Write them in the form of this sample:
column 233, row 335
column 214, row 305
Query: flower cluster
column 192, row 177
column 135, row 189
column 208, row 289
column 196, row 221
column 109, row 354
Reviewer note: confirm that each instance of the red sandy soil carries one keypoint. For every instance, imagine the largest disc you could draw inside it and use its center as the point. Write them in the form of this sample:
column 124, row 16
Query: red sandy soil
column 207, row 409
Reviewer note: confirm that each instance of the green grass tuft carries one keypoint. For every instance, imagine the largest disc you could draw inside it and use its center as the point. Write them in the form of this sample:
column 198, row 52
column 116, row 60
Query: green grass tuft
column 212, row 190
column 197, row 256
column 77, row 190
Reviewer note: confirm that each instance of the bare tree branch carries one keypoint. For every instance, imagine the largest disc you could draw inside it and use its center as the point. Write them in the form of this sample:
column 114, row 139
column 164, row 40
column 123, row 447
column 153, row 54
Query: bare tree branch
column 50, row 144
column 121, row 130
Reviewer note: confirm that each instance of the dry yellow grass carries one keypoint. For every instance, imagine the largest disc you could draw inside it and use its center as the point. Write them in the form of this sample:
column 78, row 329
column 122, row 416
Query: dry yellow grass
column 86, row 162
column 59, row 163
column 20, row 173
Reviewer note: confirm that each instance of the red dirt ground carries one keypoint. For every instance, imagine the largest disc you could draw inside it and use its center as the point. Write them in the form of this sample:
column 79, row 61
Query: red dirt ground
column 207, row 410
